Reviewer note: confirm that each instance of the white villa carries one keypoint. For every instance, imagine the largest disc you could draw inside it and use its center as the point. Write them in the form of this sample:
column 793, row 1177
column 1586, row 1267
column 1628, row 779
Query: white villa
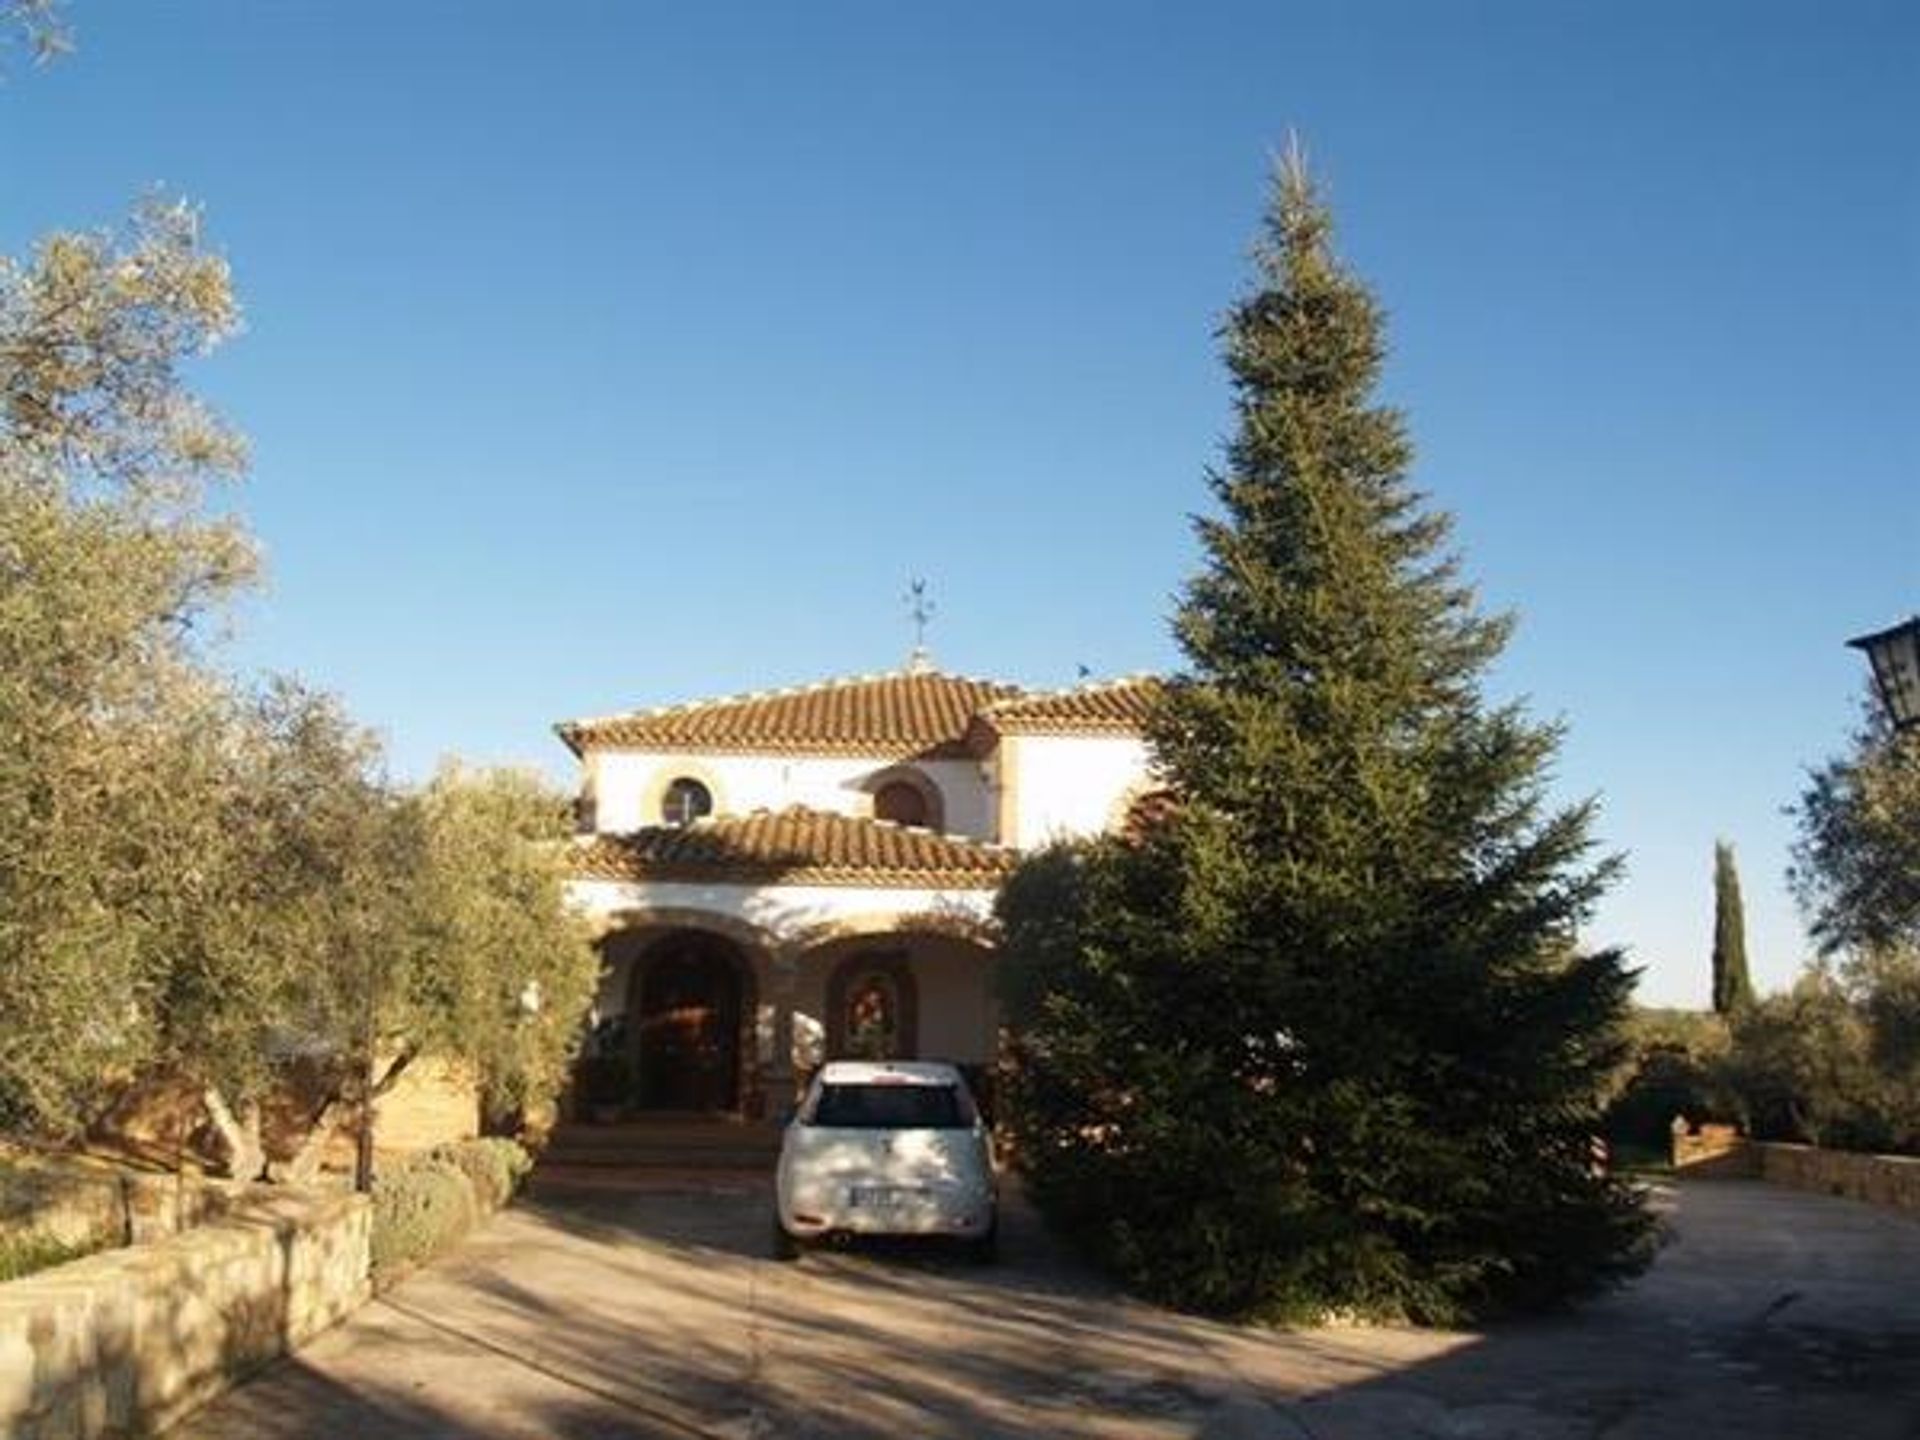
column 796, row 875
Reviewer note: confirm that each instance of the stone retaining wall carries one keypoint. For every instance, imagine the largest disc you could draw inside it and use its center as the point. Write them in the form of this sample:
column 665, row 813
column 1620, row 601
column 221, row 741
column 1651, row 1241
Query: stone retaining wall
column 131, row 1340
column 1890, row 1180
column 92, row 1206
column 434, row 1102
column 1712, row 1150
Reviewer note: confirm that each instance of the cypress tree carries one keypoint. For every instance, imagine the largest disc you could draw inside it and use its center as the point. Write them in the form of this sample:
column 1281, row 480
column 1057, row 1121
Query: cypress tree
column 1732, row 989
column 1321, row 1041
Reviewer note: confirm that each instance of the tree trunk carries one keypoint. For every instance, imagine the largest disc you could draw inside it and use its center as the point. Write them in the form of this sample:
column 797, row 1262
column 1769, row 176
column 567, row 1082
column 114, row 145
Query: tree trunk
column 246, row 1156
column 402, row 1058
column 300, row 1167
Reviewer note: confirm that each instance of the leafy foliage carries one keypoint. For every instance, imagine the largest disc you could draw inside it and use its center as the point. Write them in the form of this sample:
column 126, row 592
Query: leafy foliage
column 1320, row 1042
column 1831, row 1062
column 1836, row 1061
column 1676, row 1064
column 95, row 332
column 421, row 1207
column 108, row 569
column 38, row 25
column 506, row 969
column 424, row 1204
column 494, row 1166
column 199, row 876
column 29, row 1251
column 1856, row 864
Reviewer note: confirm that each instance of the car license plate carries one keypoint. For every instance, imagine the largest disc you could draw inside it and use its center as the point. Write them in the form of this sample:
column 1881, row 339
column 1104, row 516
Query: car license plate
column 881, row 1197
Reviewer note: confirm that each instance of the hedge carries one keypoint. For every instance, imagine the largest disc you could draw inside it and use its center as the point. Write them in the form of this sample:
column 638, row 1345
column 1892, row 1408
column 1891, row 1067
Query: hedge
column 493, row 1166
column 424, row 1204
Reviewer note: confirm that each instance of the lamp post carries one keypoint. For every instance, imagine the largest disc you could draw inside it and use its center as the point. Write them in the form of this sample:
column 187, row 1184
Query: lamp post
column 1894, row 654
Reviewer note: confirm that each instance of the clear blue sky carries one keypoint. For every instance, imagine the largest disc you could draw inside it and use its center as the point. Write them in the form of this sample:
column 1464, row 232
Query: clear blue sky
column 602, row 355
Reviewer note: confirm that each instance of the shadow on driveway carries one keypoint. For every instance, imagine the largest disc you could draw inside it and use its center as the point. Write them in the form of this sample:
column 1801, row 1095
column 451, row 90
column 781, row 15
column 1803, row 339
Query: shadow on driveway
column 653, row 1309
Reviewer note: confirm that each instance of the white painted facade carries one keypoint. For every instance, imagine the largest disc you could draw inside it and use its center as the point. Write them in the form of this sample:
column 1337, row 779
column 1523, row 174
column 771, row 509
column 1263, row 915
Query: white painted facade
column 1031, row 790
column 1061, row 787
column 787, row 917
column 627, row 786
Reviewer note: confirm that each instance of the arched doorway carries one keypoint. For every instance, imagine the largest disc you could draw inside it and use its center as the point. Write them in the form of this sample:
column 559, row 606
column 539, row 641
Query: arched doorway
column 691, row 999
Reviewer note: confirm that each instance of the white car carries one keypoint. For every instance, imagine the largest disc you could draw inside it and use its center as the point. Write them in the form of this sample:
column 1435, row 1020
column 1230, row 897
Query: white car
column 886, row 1148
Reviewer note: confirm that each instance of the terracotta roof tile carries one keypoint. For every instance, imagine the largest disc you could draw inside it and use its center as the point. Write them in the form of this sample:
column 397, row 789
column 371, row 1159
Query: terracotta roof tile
column 795, row 846
column 902, row 714
column 1116, row 707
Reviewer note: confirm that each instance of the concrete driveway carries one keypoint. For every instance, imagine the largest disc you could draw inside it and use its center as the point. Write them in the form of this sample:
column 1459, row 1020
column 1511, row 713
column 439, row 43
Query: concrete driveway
column 650, row 1309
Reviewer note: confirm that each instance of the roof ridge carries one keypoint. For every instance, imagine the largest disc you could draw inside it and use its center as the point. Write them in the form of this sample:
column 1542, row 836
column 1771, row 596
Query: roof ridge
column 1115, row 682
column 969, row 841
column 710, row 822
column 782, row 692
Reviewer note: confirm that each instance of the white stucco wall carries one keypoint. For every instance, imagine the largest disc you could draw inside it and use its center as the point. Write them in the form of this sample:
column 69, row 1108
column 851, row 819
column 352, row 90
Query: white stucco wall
column 959, row 1016
column 626, row 784
column 785, row 913
column 1068, row 785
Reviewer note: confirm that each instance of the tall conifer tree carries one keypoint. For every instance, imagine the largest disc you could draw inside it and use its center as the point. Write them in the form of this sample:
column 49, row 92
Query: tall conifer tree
column 1322, row 1041
column 1732, row 989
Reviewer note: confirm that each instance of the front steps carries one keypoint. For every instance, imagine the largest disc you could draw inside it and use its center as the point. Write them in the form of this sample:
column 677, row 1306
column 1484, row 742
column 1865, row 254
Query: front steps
column 673, row 1143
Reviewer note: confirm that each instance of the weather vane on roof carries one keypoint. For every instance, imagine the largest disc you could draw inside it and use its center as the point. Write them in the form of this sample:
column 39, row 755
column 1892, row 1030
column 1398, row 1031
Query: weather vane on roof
column 920, row 611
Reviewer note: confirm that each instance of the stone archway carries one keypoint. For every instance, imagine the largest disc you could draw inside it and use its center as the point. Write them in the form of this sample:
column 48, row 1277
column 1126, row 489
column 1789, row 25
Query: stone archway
column 936, row 974
column 692, row 1003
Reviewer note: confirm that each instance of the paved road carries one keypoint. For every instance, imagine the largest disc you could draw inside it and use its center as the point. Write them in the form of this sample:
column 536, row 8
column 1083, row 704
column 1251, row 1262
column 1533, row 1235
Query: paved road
column 651, row 1311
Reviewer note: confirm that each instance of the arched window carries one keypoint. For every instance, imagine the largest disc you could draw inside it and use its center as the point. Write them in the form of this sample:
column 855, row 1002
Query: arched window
column 901, row 802
column 686, row 801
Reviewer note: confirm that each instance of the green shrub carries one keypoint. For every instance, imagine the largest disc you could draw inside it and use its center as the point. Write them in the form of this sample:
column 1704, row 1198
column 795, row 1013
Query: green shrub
column 23, row 1254
column 494, row 1166
column 424, row 1204
column 419, row 1209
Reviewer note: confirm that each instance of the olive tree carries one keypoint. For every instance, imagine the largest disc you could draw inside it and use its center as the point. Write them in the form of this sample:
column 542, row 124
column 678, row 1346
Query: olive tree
column 36, row 25
column 110, row 568
column 1856, row 863
column 203, row 879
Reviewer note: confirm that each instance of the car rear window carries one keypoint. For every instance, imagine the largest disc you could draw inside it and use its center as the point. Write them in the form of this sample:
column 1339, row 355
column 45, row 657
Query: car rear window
column 892, row 1107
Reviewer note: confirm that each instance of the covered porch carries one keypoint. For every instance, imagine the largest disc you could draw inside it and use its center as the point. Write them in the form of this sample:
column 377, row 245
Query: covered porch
column 696, row 1017
column 721, row 998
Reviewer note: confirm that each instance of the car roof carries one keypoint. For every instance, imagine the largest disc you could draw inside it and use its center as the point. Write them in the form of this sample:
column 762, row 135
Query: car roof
column 888, row 1072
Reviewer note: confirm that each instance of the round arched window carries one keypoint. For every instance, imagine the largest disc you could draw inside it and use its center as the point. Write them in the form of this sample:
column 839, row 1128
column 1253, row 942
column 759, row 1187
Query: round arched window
column 686, row 801
column 902, row 803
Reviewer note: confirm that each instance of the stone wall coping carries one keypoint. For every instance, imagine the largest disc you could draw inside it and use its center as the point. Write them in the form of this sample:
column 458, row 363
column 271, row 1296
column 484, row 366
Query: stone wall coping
column 129, row 1340
column 283, row 1211
column 92, row 1204
column 1799, row 1148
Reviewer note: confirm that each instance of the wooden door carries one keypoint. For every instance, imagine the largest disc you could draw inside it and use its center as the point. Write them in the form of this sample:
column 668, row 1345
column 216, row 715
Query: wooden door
column 689, row 1029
